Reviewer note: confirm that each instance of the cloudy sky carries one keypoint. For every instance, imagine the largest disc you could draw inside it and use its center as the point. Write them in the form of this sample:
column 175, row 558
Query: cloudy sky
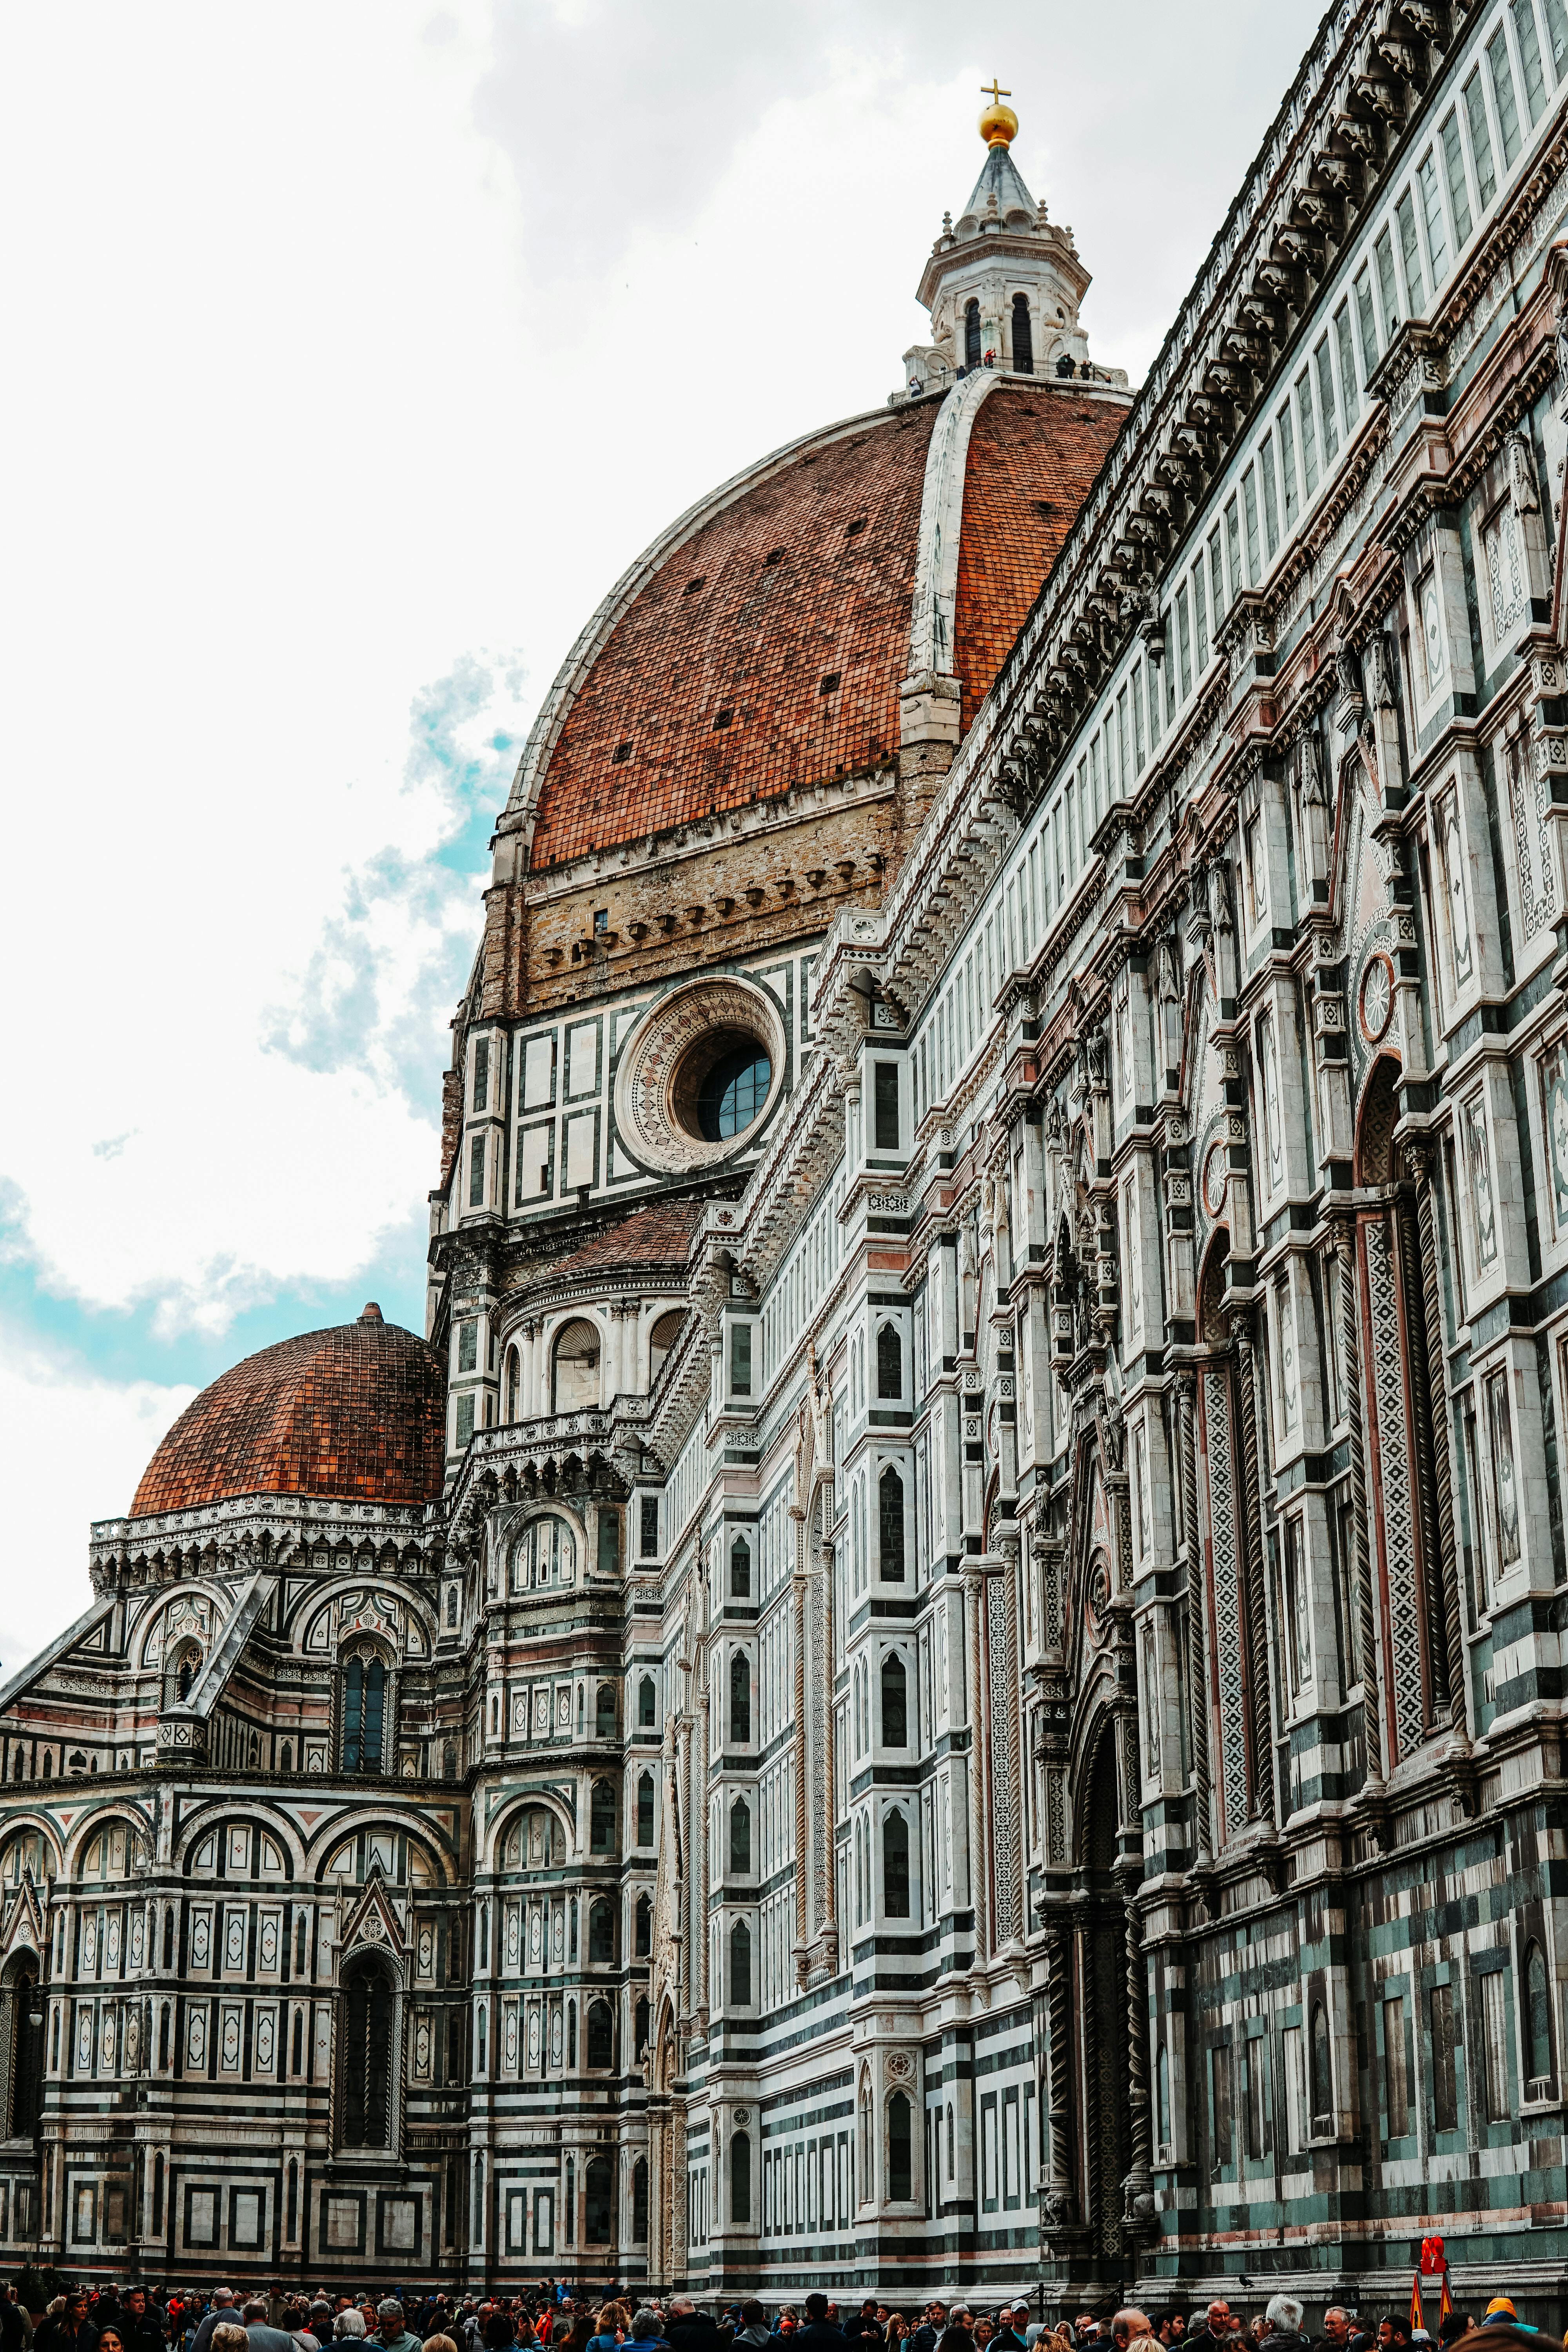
column 353, row 348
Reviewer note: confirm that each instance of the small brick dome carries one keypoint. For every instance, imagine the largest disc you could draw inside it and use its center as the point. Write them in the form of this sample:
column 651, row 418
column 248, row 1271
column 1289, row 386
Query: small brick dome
column 354, row 1414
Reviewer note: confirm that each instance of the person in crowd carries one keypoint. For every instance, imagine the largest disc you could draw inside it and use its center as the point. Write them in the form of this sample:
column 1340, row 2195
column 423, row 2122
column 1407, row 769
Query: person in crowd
column 648, row 2330
column 1336, row 2335
column 392, row 2329
column 955, row 2337
column 1503, row 2327
column 1281, row 2330
column 348, row 2325
column 228, row 2336
column 1217, row 2331
column 1457, row 2324
column 259, row 2333
column 1130, row 2325
column 864, row 2322
column 690, row 2330
column 819, row 2334
column 752, row 2334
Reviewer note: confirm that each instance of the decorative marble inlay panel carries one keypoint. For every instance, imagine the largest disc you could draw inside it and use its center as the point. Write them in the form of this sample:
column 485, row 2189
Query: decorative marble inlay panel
column 1395, row 1509
column 1226, row 1575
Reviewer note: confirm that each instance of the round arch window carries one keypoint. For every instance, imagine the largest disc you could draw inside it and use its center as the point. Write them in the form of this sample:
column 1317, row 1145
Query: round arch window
column 702, row 1074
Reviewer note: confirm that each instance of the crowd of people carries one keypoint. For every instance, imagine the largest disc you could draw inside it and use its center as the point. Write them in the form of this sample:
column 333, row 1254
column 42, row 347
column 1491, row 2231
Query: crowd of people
column 547, row 2318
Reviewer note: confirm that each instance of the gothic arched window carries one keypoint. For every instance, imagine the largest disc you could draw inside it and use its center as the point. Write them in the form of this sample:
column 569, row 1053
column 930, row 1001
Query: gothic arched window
column 365, row 1703
column 602, row 1818
column 639, row 2200
column 896, row 1865
column 601, row 1930
column 890, row 1363
column 513, row 1382
column 740, row 1697
column 740, row 1570
column 604, row 1712
column 641, row 2019
column 367, row 2057
column 1322, row 2076
column 645, row 1809
column 644, row 1927
column 971, row 333
column 739, row 1835
column 740, row 2177
column 895, row 1703
column 647, row 1705
column 741, row 1965
column 890, row 1526
column 601, row 2039
column 598, row 2181
column 1537, row 2013
column 27, row 2068
column 1023, row 337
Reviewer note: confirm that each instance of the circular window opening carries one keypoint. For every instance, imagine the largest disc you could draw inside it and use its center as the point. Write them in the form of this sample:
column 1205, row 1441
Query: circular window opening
column 723, row 1085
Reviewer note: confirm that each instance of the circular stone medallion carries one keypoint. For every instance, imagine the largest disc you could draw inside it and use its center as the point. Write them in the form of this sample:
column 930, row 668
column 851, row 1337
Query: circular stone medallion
column 1216, row 1175
column 666, row 1070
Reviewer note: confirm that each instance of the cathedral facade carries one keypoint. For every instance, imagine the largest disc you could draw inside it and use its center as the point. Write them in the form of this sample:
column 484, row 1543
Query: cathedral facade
column 944, row 1671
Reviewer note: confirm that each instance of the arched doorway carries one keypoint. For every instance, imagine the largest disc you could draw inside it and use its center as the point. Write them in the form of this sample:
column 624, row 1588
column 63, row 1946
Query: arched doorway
column 22, row 2046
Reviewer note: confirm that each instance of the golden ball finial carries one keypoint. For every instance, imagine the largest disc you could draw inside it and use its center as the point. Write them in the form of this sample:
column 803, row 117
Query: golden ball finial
column 998, row 125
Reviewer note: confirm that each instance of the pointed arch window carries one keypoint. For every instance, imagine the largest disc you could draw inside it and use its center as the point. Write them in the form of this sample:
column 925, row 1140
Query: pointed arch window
column 740, row 1965
column 895, row 1703
column 1023, row 337
column 601, row 2040
column 1537, row 2018
column 890, row 1363
column 740, row 1697
column 26, row 2054
column 739, row 1835
column 890, row 1527
column 1322, row 2073
column 645, row 1809
column 598, row 2183
column 971, row 333
column 365, row 1705
column 896, row 1865
column 644, row 1927
column 647, row 1705
column 601, row 1931
column 602, row 1818
column 639, row 2200
column 740, row 1570
column 367, row 2058
column 604, row 1712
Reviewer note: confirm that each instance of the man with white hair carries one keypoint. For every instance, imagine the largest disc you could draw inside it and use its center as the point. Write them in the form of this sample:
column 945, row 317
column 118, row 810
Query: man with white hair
column 1282, row 2324
column 1129, row 2327
column 219, row 2310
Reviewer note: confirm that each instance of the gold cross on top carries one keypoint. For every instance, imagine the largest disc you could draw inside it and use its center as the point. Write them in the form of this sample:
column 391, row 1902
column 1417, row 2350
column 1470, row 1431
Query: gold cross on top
column 996, row 93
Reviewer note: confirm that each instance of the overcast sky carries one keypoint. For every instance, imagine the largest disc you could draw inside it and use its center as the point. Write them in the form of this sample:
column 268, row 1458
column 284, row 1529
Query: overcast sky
column 353, row 350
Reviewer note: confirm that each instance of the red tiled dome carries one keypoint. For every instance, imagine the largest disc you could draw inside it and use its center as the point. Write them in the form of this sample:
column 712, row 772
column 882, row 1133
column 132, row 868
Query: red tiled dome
column 354, row 1415
column 764, row 647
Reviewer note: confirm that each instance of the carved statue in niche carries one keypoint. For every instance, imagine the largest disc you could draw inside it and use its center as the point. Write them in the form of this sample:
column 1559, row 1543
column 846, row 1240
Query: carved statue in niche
column 1168, row 968
column 1313, row 784
column 1378, row 668
column 1219, row 896
column 1522, row 483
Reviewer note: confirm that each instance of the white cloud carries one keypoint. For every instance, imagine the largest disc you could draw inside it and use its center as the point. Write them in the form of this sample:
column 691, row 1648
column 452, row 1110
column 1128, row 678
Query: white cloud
column 72, row 1448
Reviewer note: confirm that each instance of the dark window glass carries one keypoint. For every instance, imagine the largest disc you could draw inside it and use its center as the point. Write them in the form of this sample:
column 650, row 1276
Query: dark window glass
column 601, row 1930
column 644, row 1927
column 650, row 1527
column 740, row 2177
column 640, row 2018
column 890, row 1363
column 604, row 1712
column 971, row 333
column 1445, row 2075
column 740, row 1964
column 609, row 1540
column 886, row 1098
column 598, row 2181
column 26, row 2056
column 896, row 1866
column 733, row 1092
column 1538, row 2014
column 646, row 1704
column 353, row 1714
column 899, row 2156
column 740, row 1697
column 740, row 1570
column 602, row 1818
column 481, row 1073
column 741, row 1359
column 1022, row 336
column 894, row 1707
column 1224, row 2139
column 890, row 1502
column 366, row 2059
column 739, row 1835
column 645, row 1809
column 640, row 2199
column 1322, row 2071
column 601, row 2051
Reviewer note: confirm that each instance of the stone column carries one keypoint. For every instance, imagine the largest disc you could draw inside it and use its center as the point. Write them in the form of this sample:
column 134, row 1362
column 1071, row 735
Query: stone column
column 1197, row 1642
column 1343, row 1229
column 1061, row 2200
